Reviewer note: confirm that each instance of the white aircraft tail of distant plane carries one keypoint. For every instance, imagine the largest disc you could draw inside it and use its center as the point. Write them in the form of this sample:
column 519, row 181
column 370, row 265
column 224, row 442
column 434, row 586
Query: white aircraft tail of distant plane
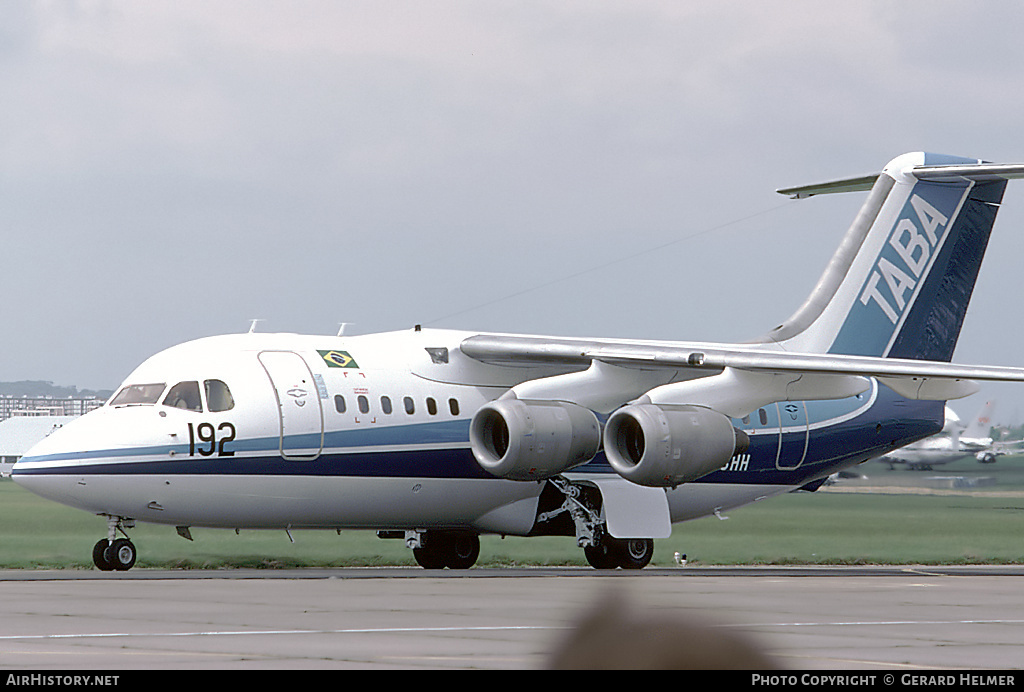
column 977, row 435
column 438, row 436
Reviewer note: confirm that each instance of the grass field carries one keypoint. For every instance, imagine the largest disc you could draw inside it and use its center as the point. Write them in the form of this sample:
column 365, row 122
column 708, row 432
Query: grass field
column 892, row 521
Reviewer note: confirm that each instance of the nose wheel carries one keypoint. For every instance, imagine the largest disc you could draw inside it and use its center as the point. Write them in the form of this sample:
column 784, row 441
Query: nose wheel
column 114, row 553
column 119, row 555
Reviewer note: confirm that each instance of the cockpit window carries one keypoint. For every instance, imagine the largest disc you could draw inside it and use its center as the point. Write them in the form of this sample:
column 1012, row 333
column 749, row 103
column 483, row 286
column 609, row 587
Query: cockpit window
column 138, row 394
column 218, row 396
column 184, row 395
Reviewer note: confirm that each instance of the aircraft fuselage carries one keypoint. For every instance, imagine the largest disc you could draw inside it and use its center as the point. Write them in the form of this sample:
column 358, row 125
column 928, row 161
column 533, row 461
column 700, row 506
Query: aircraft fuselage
column 373, row 432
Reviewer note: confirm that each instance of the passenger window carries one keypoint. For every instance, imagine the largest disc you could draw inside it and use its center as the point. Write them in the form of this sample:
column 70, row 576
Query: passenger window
column 763, row 416
column 410, row 406
column 339, row 403
column 385, row 404
column 184, row 395
column 453, row 406
column 364, row 404
column 431, row 406
column 218, row 396
column 138, row 394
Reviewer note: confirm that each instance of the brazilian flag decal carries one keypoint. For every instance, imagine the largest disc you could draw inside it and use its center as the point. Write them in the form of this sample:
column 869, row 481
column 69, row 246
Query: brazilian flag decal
column 338, row 359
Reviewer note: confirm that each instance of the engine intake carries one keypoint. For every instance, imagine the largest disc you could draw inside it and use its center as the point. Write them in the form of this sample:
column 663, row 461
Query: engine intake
column 664, row 446
column 533, row 440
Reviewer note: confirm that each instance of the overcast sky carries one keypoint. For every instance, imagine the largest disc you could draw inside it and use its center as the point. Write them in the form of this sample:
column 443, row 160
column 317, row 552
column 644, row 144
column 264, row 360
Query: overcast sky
column 171, row 170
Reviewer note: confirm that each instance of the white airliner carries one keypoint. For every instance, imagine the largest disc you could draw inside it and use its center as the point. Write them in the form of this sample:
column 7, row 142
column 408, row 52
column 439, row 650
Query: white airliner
column 437, row 436
column 954, row 442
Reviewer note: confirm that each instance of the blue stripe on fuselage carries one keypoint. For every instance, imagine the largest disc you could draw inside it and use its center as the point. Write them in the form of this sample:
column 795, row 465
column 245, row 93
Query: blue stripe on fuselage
column 385, row 451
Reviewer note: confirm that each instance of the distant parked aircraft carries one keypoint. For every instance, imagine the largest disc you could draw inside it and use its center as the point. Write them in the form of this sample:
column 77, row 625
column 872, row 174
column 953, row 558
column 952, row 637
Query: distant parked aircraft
column 954, row 442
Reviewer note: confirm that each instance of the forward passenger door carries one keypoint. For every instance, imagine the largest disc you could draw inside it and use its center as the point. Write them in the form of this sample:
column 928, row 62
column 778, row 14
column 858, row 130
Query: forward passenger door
column 298, row 404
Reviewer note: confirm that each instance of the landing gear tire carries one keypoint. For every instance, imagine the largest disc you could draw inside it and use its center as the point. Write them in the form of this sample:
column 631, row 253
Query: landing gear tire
column 602, row 555
column 635, row 553
column 98, row 555
column 463, row 550
column 119, row 555
column 428, row 558
column 451, row 549
column 629, row 553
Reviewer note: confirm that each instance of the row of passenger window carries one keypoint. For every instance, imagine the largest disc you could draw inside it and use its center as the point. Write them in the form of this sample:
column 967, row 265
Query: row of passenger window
column 386, row 407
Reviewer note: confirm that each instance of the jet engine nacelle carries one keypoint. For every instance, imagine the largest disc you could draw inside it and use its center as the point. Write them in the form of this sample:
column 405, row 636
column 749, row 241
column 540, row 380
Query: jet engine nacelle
column 533, row 440
column 664, row 446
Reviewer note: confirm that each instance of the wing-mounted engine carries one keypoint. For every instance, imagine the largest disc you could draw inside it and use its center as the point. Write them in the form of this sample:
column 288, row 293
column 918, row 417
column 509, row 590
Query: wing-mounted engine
column 679, row 432
column 533, row 440
column 664, row 445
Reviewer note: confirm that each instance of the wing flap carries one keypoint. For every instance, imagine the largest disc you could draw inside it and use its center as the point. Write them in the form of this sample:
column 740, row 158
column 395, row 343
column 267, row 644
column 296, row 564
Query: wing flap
column 930, row 388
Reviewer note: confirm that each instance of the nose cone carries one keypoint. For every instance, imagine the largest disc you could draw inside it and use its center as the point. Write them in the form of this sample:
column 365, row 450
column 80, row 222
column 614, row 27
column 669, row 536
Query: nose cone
column 60, row 466
column 99, row 437
column 43, row 468
column 44, row 453
column 91, row 462
column 54, row 450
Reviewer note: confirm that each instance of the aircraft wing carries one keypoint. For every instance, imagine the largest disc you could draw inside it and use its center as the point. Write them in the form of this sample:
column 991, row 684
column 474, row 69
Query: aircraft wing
column 911, row 378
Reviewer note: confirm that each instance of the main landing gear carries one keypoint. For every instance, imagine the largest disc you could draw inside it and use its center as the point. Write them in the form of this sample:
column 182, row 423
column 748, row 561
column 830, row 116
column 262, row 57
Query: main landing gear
column 440, row 549
column 114, row 553
column 603, row 551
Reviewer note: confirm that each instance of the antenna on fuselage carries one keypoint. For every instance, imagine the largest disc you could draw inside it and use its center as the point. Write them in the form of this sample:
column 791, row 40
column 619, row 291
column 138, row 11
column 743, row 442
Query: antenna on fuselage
column 341, row 329
column 252, row 326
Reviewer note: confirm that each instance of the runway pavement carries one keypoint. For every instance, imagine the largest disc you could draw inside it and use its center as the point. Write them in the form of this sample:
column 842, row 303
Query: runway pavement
column 806, row 618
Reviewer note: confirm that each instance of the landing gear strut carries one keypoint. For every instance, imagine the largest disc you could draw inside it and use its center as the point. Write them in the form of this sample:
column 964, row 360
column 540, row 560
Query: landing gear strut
column 114, row 553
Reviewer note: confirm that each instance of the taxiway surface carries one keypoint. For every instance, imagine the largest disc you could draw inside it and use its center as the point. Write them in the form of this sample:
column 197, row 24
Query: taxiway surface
column 812, row 618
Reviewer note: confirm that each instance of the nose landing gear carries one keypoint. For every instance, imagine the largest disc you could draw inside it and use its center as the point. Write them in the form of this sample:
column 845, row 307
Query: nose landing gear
column 114, row 553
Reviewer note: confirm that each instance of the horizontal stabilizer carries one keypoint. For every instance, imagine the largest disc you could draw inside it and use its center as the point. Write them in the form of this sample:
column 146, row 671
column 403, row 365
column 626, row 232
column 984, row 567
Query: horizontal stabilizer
column 936, row 173
column 972, row 171
column 860, row 184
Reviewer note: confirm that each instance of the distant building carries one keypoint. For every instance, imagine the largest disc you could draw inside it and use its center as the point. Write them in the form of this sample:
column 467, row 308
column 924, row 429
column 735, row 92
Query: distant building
column 46, row 406
column 18, row 434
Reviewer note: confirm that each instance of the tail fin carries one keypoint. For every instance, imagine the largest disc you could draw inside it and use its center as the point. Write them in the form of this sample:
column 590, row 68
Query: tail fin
column 901, row 280
column 980, row 426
